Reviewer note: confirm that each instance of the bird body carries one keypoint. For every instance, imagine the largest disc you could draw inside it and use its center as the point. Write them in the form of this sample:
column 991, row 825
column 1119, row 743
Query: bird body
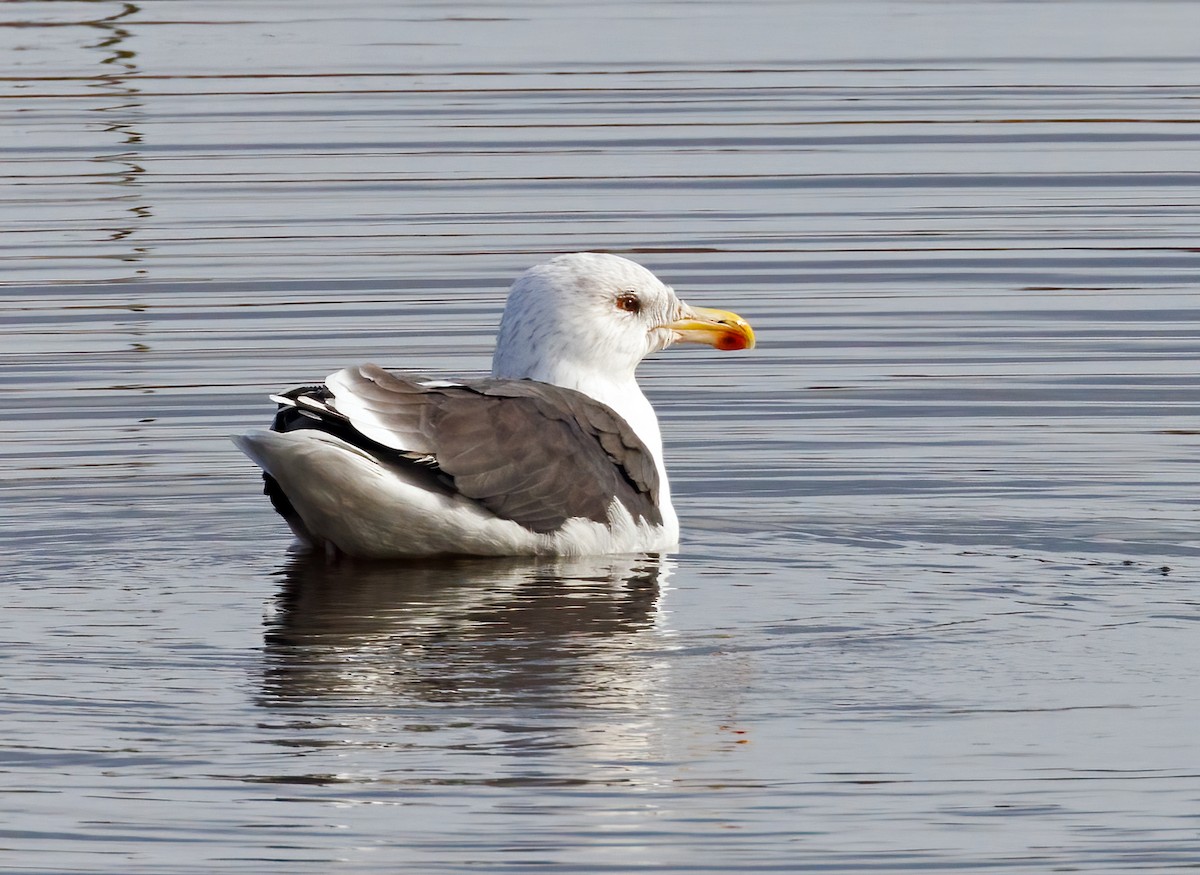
column 559, row 452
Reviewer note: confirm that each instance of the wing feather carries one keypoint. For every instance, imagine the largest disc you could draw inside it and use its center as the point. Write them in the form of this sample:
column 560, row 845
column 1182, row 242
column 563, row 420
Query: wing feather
column 530, row 452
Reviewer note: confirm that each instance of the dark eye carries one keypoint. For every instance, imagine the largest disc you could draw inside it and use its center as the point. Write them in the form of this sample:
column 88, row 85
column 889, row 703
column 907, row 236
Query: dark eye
column 629, row 303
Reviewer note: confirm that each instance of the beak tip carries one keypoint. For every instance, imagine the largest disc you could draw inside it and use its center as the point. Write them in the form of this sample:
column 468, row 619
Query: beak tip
column 735, row 340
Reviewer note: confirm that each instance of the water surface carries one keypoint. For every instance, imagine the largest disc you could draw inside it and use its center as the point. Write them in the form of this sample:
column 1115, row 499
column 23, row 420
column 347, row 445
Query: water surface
column 936, row 602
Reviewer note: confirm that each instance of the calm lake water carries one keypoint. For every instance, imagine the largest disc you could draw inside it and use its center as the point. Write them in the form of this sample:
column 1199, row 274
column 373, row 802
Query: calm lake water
column 937, row 606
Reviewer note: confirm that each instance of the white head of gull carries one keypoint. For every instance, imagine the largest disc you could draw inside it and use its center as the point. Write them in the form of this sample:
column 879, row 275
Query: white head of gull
column 558, row 453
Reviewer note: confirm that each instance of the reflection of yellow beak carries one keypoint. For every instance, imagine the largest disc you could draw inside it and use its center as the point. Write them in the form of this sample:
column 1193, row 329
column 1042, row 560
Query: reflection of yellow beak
column 717, row 328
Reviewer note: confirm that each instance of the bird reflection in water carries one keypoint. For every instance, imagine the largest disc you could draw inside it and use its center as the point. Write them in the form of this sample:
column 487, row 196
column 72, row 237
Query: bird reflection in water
column 537, row 632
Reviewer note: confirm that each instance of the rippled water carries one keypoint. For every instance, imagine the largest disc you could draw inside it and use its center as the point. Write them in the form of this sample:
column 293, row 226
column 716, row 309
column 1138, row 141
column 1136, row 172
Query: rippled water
column 936, row 606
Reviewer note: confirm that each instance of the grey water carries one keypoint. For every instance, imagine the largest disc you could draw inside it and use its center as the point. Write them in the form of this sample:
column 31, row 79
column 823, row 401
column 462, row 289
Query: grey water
column 936, row 603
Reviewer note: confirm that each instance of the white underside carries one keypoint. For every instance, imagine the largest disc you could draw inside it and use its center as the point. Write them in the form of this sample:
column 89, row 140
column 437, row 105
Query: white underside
column 353, row 504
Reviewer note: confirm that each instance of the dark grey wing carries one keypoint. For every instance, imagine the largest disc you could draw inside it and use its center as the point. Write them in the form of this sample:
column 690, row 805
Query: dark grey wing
column 530, row 452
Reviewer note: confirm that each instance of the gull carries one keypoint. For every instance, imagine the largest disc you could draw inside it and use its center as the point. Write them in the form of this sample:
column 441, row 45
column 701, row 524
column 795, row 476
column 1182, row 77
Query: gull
column 558, row 452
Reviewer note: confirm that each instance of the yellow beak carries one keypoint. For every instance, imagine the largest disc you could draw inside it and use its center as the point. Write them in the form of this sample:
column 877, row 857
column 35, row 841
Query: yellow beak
column 717, row 328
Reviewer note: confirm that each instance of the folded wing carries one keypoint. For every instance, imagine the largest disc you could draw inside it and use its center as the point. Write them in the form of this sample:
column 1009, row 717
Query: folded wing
column 529, row 452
